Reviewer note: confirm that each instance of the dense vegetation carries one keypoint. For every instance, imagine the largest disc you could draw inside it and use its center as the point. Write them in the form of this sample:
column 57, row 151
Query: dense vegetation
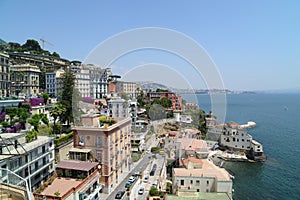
column 30, row 46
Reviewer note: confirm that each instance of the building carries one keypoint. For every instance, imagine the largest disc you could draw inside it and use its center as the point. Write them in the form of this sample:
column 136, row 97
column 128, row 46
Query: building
column 110, row 145
column 175, row 99
column 191, row 106
column 75, row 180
column 99, row 81
column 122, row 87
column 117, row 107
column 4, row 75
column 201, row 175
column 233, row 137
column 191, row 195
column 190, row 147
column 236, row 138
column 82, row 81
column 25, row 79
column 33, row 160
column 54, row 82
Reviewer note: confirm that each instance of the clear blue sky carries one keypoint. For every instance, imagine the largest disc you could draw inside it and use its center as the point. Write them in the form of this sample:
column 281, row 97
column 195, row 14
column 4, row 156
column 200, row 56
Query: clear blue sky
column 255, row 44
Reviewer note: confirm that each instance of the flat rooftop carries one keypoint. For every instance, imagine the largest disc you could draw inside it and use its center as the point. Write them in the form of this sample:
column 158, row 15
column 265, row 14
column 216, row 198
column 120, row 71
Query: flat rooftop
column 62, row 186
column 83, row 150
column 76, row 165
column 208, row 170
column 186, row 195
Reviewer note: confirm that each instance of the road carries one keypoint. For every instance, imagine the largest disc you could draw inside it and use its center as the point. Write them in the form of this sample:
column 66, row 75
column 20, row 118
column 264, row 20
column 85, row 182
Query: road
column 141, row 166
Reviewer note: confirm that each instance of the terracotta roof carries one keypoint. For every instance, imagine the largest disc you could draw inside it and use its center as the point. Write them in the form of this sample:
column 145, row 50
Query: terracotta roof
column 76, row 165
column 192, row 144
column 208, row 170
column 61, row 185
column 194, row 160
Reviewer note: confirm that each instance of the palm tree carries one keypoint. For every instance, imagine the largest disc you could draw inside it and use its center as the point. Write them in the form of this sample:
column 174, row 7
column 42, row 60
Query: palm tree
column 57, row 111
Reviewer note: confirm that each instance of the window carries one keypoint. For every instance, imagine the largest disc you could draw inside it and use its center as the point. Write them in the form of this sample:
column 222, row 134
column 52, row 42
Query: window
column 181, row 182
column 191, row 181
column 198, row 190
column 233, row 139
column 99, row 141
column 207, row 182
column 242, row 146
column 197, row 182
column 243, row 140
column 237, row 140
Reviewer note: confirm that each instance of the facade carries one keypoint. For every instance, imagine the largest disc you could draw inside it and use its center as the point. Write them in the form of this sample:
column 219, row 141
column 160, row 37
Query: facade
column 76, row 180
column 110, row 145
column 33, row 161
column 119, row 87
column 25, row 79
column 175, row 99
column 191, row 106
column 133, row 111
column 117, row 107
column 4, row 75
column 54, row 82
column 201, row 175
column 82, row 81
column 99, row 81
column 235, row 138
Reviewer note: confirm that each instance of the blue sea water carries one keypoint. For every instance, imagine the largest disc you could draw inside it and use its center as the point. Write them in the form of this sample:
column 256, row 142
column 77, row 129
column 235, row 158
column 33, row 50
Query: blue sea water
column 278, row 128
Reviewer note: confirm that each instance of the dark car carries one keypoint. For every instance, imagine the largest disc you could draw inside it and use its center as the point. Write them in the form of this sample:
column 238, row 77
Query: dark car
column 120, row 194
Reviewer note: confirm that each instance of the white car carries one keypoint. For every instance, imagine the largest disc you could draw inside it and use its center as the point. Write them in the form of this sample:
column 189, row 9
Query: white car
column 146, row 179
column 141, row 190
column 131, row 179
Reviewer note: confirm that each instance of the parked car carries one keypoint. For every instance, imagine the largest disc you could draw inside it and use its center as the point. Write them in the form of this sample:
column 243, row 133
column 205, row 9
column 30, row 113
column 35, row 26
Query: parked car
column 119, row 195
column 154, row 185
column 131, row 179
column 146, row 179
column 137, row 173
column 141, row 190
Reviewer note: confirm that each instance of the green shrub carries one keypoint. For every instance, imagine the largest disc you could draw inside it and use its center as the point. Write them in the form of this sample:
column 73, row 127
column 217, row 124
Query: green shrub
column 63, row 139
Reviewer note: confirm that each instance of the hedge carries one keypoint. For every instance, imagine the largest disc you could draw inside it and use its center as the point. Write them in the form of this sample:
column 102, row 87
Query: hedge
column 63, row 139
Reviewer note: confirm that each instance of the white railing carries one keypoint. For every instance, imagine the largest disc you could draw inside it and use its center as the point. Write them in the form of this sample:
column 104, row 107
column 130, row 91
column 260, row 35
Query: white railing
column 15, row 181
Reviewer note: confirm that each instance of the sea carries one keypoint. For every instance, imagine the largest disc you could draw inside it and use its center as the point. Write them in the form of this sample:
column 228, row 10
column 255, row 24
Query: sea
column 277, row 118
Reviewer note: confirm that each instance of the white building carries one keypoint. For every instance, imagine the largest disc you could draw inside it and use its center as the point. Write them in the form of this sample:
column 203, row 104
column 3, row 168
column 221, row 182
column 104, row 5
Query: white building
column 82, row 81
column 201, row 175
column 54, row 82
column 118, row 107
column 99, row 81
column 33, row 160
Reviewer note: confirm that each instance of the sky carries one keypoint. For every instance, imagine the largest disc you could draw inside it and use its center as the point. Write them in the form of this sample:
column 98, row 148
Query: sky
column 254, row 45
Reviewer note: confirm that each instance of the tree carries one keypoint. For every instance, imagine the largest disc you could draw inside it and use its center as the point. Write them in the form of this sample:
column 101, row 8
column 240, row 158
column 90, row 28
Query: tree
column 23, row 116
column 67, row 94
column 165, row 102
column 55, row 54
column 32, row 45
column 57, row 111
column 35, row 121
column 11, row 112
column 45, row 97
column 140, row 99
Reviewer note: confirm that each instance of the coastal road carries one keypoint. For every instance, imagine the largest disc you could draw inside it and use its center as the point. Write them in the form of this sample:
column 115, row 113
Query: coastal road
column 141, row 166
